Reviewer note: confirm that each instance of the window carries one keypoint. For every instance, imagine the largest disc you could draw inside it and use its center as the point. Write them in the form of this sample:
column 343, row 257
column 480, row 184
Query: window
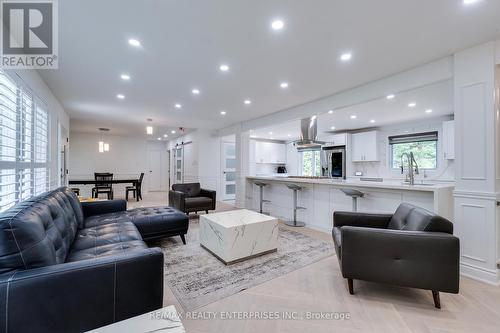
column 311, row 163
column 423, row 146
column 24, row 169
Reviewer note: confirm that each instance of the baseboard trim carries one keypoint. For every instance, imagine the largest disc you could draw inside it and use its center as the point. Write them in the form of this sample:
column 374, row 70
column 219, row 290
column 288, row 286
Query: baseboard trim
column 480, row 274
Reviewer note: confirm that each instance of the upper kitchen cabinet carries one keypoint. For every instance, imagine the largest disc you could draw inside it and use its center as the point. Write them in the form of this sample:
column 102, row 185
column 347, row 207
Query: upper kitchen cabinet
column 364, row 147
column 270, row 152
column 449, row 140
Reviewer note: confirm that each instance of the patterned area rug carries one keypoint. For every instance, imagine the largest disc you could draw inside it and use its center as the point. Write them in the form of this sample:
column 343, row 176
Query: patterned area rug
column 197, row 278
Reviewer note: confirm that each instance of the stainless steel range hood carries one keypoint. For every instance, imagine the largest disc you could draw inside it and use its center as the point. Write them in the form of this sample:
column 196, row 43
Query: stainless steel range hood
column 308, row 134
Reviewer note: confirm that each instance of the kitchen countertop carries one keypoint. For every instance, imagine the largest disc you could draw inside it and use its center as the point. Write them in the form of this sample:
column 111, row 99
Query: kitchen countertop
column 390, row 185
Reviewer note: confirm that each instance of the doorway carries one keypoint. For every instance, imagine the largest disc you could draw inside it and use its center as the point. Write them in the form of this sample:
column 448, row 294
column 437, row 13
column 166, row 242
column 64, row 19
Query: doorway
column 155, row 179
column 228, row 171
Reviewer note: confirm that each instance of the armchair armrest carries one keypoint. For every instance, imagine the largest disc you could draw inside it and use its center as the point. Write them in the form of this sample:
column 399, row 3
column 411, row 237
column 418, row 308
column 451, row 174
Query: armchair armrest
column 103, row 207
column 209, row 194
column 83, row 295
column 177, row 200
column 355, row 219
column 419, row 259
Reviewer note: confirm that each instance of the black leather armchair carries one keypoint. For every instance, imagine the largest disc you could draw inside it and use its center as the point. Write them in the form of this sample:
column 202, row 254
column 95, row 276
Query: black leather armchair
column 412, row 248
column 190, row 197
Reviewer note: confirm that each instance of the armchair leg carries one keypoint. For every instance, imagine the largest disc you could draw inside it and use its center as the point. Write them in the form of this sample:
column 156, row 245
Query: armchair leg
column 437, row 300
column 206, row 211
column 350, row 282
column 183, row 239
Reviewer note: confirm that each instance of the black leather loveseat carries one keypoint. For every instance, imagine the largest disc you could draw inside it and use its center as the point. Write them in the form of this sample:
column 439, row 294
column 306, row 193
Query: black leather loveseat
column 67, row 267
column 411, row 248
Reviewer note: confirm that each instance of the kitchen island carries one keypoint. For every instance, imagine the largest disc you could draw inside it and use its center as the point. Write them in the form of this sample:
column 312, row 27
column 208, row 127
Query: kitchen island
column 321, row 197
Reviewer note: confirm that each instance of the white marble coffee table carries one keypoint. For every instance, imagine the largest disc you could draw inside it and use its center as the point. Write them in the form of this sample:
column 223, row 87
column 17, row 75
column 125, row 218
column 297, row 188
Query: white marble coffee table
column 164, row 320
column 237, row 235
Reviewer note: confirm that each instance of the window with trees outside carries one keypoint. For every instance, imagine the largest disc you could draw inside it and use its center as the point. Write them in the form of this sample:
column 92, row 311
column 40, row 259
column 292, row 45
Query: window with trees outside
column 424, row 147
column 24, row 144
column 311, row 163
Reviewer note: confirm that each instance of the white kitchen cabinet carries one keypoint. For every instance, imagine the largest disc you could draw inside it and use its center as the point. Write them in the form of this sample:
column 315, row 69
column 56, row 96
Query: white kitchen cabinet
column 364, row 147
column 270, row 152
column 339, row 139
column 449, row 140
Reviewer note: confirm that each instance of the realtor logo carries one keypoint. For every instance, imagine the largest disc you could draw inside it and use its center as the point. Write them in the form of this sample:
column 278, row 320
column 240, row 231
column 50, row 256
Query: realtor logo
column 29, row 38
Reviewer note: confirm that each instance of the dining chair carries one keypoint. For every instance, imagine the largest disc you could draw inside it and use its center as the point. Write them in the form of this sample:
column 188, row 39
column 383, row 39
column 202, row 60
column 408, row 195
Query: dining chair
column 135, row 189
column 106, row 188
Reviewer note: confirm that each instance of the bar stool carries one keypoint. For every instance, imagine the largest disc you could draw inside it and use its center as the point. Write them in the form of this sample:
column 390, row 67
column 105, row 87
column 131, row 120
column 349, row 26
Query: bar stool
column 76, row 190
column 261, row 186
column 354, row 194
column 294, row 223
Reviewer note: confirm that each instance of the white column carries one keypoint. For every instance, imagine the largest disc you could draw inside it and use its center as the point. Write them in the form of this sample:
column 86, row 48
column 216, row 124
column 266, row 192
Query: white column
column 477, row 171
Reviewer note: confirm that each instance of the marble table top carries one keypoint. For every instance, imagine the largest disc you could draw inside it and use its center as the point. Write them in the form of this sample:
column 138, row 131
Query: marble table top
column 162, row 320
column 235, row 218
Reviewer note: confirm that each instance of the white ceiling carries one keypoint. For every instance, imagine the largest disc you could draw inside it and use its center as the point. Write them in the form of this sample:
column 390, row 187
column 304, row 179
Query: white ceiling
column 184, row 42
column 437, row 97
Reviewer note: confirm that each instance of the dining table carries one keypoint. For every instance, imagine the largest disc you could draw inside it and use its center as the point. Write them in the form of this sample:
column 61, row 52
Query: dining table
column 91, row 181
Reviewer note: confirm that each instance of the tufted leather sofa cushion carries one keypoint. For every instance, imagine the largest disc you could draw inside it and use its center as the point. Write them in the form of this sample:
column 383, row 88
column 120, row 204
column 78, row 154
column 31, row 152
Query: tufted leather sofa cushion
column 39, row 231
column 413, row 218
column 189, row 189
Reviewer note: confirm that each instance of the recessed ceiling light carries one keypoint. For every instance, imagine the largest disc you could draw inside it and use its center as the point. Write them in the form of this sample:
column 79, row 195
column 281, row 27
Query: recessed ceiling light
column 120, row 96
column 289, row 135
column 270, row 133
column 159, row 138
column 165, row 135
column 247, row 102
column 224, row 68
column 332, row 128
column 372, row 121
column 178, row 106
column 354, row 116
column 125, row 77
column 390, row 96
column 284, row 85
column 223, row 113
column 346, row 56
column 412, row 104
column 330, row 112
column 272, row 138
column 428, row 111
column 173, row 132
column 277, row 24
column 253, row 136
column 134, row 42
column 195, row 91
column 470, row 2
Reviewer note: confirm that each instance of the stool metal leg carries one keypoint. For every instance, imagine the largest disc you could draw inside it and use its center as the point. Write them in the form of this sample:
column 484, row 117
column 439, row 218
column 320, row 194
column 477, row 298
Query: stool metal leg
column 294, row 222
column 261, row 201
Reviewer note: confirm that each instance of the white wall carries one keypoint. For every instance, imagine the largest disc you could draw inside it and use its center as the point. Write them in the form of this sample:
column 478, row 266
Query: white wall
column 128, row 157
column 57, row 115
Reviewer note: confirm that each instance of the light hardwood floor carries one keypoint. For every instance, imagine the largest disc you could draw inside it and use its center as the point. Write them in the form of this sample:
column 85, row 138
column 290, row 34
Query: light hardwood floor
column 320, row 288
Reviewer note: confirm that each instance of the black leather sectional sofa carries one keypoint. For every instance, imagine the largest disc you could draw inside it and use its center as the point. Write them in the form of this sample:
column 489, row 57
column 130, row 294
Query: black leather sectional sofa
column 67, row 267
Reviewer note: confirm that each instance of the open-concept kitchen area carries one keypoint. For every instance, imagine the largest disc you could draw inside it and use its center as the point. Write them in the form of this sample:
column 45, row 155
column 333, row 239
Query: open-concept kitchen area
column 213, row 166
column 371, row 156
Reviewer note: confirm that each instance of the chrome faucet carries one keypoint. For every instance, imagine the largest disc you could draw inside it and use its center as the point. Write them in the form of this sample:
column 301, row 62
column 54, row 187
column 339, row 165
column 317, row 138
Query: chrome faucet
column 412, row 167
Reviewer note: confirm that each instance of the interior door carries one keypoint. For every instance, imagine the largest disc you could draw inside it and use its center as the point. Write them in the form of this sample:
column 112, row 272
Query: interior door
column 155, row 169
column 228, row 171
column 179, row 165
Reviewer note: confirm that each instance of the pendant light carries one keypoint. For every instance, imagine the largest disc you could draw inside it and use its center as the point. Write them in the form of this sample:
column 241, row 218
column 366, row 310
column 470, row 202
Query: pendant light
column 149, row 128
column 103, row 146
